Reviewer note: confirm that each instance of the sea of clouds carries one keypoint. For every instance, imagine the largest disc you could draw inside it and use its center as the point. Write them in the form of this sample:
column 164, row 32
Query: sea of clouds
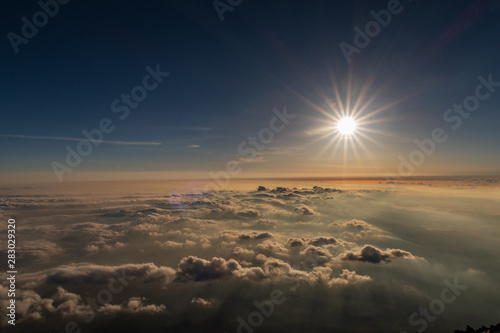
column 345, row 259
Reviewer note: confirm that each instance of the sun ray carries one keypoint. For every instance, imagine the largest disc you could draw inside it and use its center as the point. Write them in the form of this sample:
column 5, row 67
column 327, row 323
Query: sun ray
column 351, row 124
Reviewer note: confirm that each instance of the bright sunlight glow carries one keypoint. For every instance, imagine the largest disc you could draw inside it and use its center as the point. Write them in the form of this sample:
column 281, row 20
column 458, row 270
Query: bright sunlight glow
column 346, row 126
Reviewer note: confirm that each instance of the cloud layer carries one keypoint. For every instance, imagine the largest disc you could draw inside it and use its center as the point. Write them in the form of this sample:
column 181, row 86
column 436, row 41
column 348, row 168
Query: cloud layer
column 183, row 261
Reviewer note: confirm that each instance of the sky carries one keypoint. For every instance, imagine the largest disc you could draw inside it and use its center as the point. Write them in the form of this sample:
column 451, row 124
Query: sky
column 225, row 78
column 250, row 166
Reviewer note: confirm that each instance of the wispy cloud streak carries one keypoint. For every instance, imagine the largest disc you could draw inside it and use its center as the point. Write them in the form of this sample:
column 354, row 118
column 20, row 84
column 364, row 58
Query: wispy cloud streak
column 125, row 143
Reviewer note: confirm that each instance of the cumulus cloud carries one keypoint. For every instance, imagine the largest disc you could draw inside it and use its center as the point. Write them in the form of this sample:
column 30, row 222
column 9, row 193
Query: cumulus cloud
column 31, row 306
column 63, row 304
column 319, row 241
column 255, row 235
column 229, row 211
column 261, row 224
column 38, row 250
column 197, row 269
column 240, row 252
column 272, row 248
column 173, row 244
column 85, row 273
column 374, row 255
column 200, row 303
column 133, row 305
column 357, row 225
column 296, row 242
column 304, row 210
column 317, row 252
column 145, row 229
column 348, row 277
column 315, row 241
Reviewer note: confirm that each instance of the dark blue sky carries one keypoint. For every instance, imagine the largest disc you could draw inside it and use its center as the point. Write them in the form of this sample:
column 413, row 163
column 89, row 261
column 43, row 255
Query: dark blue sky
column 227, row 76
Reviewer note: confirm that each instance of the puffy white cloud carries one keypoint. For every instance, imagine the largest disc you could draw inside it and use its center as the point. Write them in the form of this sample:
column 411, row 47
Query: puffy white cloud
column 357, row 225
column 145, row 229
column 242, row 252
column 320, row 241
column 255, row 235
column 374, row 255
column 261, row 224
column 348, row 277
column 203, row 304
column 92, row 274
column 31, row 306
column 133, row 305
column 173, row 244
column 38, row 250
column 297, row 242
column 318, row 252
column 271, row 248
column 304, row 210
column 197, row 269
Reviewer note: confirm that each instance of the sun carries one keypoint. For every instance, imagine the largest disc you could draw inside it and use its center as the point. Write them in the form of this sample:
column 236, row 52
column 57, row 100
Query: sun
column 349, row 121
column 346, row 126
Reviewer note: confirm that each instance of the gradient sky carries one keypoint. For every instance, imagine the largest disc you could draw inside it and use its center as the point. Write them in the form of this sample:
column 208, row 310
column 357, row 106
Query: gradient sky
column 227, row 76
